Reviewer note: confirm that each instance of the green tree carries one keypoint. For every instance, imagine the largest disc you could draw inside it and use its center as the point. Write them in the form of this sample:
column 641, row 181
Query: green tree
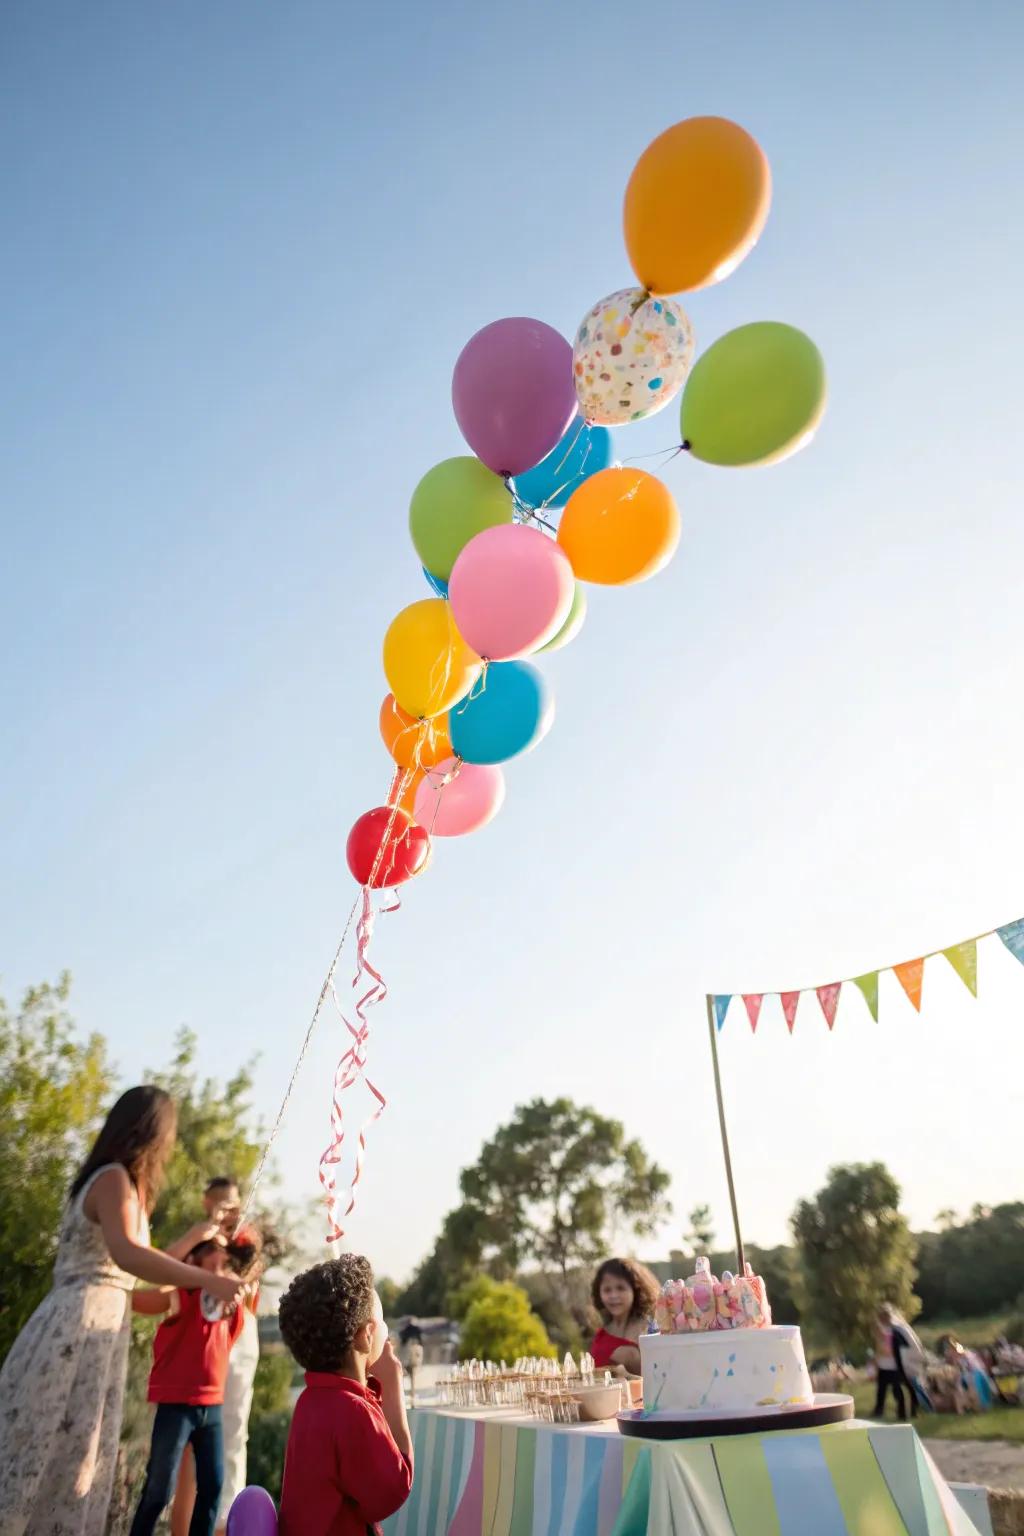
column 777, row 1268
column 497, row 1323
column 550, row 1186
column 218, row 1136
column 389, row 1294
column 701, row 1235
column 454, row 1259
column 974, row 1266
column 54, row 1089
column 856, row 1251
column 272, row 1389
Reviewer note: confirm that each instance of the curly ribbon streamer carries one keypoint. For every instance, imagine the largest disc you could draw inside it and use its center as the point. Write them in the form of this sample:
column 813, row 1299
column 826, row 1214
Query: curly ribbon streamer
column 350, row 1069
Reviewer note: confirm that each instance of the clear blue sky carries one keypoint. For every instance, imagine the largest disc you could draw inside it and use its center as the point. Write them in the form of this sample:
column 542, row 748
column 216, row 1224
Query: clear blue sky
column 242, row 247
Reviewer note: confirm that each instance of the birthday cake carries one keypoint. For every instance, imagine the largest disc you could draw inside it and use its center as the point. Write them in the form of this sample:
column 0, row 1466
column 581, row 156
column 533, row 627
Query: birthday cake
column 717, row 1350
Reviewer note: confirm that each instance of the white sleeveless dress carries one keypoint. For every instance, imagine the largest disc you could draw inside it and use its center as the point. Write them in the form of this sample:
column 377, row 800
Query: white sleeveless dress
column 62, row 1389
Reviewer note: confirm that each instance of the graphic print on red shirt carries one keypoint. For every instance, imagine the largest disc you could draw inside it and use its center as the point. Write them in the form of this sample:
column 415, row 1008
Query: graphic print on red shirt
column 190, row 1354
column 343, row 1472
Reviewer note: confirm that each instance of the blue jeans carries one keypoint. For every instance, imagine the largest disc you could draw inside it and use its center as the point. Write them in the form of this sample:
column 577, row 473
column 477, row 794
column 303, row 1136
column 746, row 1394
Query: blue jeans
column 175, row 1426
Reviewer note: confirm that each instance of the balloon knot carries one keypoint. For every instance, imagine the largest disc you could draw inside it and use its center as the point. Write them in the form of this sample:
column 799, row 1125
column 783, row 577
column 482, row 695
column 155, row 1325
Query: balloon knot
column 685, row 445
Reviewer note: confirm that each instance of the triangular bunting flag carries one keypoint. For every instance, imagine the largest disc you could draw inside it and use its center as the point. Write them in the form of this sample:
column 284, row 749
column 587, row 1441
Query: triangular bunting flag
column 722, row 1008
column 752, row 1003
column 964, row 960
column 789, row 1002
column 910, row 976
column 1012, row 935
column 868, row 984
column 828, row 997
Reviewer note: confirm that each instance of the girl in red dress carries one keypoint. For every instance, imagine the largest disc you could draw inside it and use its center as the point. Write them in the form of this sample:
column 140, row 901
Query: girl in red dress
column 623, row 1293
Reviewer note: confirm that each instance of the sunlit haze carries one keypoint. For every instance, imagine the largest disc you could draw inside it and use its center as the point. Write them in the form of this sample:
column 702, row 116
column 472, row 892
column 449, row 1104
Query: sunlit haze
column 243, row 248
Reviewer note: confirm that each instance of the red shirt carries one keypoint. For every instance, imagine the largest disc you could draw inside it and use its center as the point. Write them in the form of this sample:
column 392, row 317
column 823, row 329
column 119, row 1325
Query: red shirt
column 343, row 1471
column 604, row 1345
column 190, row 1354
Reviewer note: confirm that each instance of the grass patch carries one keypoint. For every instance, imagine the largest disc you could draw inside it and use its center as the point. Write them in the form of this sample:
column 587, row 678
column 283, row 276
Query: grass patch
column 1000, row 1423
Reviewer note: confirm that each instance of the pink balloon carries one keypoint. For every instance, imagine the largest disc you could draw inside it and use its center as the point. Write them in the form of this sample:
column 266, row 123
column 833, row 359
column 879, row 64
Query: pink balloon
column 456, row 798
column 514, row 393
column 510, row 590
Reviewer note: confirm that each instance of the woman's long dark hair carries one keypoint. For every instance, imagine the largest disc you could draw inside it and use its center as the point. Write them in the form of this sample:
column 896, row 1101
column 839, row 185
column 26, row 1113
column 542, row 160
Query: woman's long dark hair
column 138, row 1133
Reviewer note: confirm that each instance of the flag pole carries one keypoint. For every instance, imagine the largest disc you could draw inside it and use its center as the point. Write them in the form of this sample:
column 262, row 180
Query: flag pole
column 712, row 1036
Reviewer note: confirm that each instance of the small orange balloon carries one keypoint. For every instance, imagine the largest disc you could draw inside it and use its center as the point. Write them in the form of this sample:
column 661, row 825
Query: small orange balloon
column 403, row 789
column 413, row 743
column 619, row 526
column 695, row 205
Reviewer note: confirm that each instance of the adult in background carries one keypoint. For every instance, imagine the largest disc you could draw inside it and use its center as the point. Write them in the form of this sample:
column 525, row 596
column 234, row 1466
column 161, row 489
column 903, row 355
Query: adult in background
column 411, row 1340
column 889, row 1376
column 222, row 1203
column 623, row 1294
column 62, row 1385
column 908, row 1353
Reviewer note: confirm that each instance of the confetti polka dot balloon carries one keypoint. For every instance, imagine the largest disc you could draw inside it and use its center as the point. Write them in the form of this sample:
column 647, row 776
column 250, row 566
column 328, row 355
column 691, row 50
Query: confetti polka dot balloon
column 631, row 356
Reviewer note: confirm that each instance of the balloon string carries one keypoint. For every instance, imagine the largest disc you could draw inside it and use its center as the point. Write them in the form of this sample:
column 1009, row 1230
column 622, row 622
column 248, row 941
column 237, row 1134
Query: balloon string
column 668, row 453
column 352, row 1064
column 328, row 984
column 349, row 1070
column 526, row 511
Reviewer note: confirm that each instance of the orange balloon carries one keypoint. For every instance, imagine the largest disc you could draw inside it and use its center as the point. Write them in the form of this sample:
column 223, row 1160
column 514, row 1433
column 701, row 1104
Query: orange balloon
column 696, row 204
column 413, row 743
column 621, row 525
column 403, row 789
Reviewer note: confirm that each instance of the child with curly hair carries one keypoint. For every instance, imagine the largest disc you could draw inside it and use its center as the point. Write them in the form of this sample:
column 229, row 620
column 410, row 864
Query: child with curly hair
column 349, row 1459
column 623, row 1294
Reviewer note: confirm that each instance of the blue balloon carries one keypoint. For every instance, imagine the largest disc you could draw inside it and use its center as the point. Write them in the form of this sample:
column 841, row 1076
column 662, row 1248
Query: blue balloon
column 581, row 453
column 506, row 714
column 436, row 583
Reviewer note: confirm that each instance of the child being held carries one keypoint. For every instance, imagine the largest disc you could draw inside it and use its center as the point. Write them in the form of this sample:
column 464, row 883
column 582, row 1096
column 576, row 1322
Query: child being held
column 190, row 1366
column 349, row 1458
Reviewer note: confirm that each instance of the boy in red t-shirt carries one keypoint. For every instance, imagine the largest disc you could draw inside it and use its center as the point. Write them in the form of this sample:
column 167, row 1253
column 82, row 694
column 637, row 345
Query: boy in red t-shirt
column 349, row 1458
column 190, row 1367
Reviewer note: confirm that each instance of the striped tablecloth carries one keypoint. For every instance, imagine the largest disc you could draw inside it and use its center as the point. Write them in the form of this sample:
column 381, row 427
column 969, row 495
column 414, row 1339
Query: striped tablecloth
column 498, row 1474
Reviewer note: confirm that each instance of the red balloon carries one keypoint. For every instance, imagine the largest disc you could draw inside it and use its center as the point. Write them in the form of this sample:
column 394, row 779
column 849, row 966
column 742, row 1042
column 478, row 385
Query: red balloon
column 405, row 850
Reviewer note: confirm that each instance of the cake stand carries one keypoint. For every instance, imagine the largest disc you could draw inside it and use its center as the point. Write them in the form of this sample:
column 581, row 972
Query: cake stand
column 668, row 1424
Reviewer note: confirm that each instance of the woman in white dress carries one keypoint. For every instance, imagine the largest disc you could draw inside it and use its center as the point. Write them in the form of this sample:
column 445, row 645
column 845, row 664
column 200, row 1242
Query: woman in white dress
column 62, row 1385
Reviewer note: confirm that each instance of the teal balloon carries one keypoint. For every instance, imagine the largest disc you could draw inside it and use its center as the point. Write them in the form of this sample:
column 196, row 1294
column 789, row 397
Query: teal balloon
column 436, row 584
column 583, row 451
column 507, row 713
column 573, row 624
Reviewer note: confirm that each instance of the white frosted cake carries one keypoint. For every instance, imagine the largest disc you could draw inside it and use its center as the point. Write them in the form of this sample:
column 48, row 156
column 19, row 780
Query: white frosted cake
column 718, row 1352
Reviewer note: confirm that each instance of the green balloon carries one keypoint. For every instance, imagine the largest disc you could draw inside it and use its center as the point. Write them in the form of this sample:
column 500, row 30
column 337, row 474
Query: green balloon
column 573, row 624
column 454, row 501
column 755, row 396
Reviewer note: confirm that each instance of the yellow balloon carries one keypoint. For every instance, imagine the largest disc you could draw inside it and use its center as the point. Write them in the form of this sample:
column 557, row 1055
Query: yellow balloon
column 429, row 667
column 696, row 204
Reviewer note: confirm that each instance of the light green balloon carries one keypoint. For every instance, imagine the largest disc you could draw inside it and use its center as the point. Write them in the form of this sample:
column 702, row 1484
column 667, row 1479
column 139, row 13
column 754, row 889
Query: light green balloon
column 755, row 396
column 573, row 624
column 454, row 501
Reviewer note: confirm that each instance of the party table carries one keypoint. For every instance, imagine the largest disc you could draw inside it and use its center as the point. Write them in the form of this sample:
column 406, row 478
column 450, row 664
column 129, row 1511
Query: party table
column 495, row 1472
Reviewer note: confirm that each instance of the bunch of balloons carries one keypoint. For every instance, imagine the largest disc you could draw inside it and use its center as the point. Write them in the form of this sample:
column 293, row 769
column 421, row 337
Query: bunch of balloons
column 509, row 537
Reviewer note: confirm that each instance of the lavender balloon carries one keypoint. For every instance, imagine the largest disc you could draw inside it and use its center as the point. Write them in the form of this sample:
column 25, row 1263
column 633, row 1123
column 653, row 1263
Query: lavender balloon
column 513, row 393
column 252, row 1514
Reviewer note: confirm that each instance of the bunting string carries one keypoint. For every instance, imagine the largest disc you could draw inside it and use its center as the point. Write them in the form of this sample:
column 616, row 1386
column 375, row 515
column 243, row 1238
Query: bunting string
column 963, row 958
